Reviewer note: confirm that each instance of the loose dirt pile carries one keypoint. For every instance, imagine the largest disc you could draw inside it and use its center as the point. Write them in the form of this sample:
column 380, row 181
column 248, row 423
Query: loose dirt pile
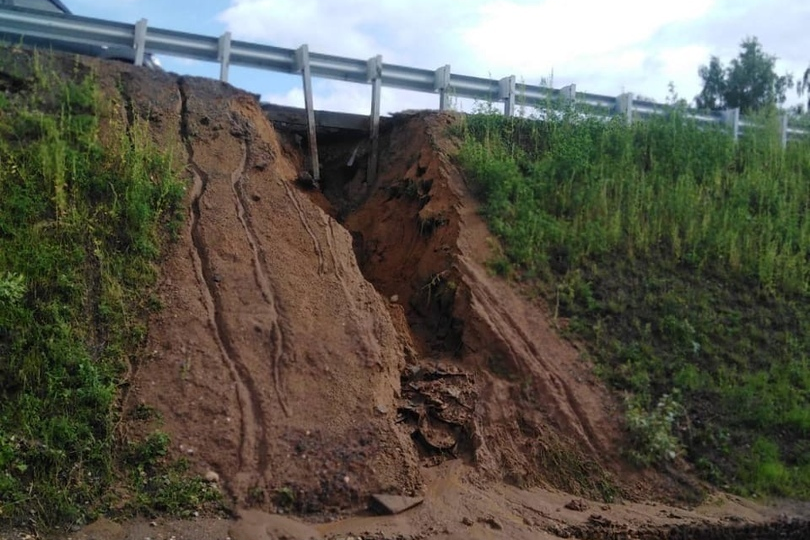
column 317, row 347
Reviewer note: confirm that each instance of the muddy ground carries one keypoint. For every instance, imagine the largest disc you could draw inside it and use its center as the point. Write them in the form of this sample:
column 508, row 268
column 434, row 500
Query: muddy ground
column 320, row 346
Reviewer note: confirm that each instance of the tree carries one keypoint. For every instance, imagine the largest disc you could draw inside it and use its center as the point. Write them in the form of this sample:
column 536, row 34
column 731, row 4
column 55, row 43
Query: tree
column 714, row 85
column 750, row 81
column 804, row 86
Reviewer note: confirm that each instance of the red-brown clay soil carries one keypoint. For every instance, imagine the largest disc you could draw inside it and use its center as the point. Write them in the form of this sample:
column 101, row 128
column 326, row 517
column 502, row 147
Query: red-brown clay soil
column 274, row 357
column 330, row 345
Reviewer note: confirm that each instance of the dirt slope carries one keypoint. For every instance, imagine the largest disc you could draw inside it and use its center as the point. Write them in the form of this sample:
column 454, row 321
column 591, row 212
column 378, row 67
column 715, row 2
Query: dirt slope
column 274, row 363
column 538, row 416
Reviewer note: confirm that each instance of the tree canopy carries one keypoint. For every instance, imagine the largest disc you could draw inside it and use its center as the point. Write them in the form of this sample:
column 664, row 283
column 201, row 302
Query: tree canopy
column 804, row 86
column 749, row 82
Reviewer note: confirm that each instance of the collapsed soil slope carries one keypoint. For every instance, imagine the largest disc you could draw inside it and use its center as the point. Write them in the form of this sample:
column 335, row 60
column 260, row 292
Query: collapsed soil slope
column 314, row 348
column 277, row 365
column 538, row 415
column 273, row 362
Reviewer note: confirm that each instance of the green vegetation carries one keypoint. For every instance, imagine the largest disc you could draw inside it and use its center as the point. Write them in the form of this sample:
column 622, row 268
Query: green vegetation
column 81, row 228
column 682, row 260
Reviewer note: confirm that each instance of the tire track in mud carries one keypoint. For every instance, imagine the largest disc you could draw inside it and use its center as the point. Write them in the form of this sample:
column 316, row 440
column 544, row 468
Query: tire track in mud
column 276, row 340
column 249, row 406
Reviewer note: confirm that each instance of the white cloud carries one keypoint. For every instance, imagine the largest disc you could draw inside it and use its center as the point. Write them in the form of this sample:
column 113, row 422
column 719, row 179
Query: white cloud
column 416, row 31
column 530, row 38
column 354, row 98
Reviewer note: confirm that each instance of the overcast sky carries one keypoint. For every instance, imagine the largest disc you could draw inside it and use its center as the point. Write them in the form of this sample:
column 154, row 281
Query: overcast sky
column 605, row 47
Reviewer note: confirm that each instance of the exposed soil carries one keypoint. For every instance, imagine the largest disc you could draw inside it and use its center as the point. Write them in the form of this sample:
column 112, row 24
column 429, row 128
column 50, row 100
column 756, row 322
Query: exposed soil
column 316, row 347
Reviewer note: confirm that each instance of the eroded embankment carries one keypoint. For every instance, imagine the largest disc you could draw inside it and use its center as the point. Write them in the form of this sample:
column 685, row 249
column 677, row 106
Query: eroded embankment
column 490, row 378
column 276, row 363
column 273, row 363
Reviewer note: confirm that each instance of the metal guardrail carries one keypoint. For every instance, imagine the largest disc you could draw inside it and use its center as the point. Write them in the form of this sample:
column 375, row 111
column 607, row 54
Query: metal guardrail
column 225, row 51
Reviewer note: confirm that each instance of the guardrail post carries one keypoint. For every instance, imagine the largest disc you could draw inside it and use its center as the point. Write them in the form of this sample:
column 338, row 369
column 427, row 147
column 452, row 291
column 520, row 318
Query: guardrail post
column 624, row 106
column 374, row 75
column 783, row 130
column 301, row 65
column 441, row 82
column 224, row 56
column 732, row 118
column 569, row 93
column 140, row 41
column 507, row 94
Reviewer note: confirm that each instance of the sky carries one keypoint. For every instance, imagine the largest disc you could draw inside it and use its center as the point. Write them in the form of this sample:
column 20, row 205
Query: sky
column 604, row 47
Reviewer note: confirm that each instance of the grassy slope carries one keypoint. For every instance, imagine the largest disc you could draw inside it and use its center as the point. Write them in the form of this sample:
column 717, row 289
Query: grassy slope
column 682, row 260
column 81, row 230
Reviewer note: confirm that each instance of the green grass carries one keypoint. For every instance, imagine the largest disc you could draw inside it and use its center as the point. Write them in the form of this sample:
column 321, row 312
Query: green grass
column 82, row 225
column 683, row 262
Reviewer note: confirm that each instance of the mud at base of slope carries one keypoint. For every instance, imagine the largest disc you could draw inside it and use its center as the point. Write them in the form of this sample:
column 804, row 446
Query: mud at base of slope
column 489, row 379
column 273, row 363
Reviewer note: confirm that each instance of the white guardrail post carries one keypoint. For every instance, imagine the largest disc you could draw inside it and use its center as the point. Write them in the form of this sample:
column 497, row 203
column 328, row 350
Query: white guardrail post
column 569, row 93
column 374, row 74
column 224, row 56
column 302, row 65
column 506, row 92
column 624, row 105
column 783, row 130
column 139, row 41
column 441, row 82
column 732, row 119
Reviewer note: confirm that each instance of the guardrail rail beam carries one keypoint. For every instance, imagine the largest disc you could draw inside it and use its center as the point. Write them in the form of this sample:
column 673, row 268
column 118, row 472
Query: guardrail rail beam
column 16, row 23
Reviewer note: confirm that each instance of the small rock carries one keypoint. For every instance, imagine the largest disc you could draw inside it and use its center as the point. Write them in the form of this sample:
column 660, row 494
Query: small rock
column 153, row 524
column 212, row 477
column 381, row 409
column 578, row 505
column 395, row 298
column 217, row 278
column 492, row 522
column 393, row 504
column 467, row 521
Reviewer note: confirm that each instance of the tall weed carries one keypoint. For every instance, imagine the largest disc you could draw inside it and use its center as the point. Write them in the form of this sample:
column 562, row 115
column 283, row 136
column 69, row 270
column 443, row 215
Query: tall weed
column 81, row 227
